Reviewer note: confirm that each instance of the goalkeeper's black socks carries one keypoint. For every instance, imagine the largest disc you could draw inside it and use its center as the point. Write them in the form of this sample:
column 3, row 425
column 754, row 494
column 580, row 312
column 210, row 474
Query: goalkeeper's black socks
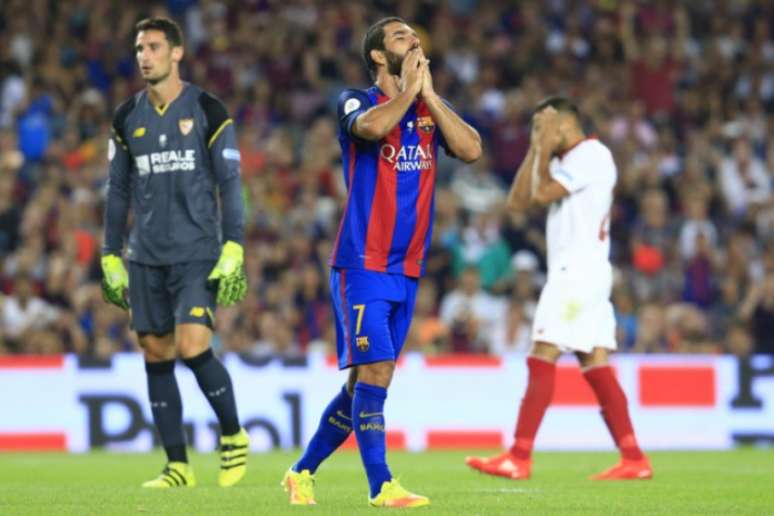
column 167, row 408
column 215, row 383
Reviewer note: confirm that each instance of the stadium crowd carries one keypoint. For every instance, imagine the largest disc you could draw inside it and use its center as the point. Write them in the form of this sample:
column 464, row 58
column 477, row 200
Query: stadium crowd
column 683, row 93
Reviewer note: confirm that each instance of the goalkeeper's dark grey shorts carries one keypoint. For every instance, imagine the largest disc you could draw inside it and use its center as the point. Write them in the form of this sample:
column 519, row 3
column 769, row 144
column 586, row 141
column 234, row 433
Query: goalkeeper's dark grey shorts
column 161, row 297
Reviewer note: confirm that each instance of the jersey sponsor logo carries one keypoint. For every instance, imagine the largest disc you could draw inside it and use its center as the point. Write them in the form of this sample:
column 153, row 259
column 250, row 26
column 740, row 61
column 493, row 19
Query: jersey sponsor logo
column 231, row 154
column 407, row 158
column 185, row 125
column 343, row 415
column 167, row 161
column 362, row 343
column 351, row 105
column 426, row 123
column 197, row 311
column 139, row 132
column 338, row 424
column 372, row 427
column 571, row 311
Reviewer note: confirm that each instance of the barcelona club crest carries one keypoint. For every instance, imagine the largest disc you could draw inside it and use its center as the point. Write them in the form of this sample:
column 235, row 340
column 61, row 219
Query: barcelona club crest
column 186, row 124
column 425, row 123
column 362, row 343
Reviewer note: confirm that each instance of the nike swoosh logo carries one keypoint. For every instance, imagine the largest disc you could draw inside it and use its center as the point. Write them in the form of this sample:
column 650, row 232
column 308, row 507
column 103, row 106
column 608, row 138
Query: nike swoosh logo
column 341, row 414
column 371, row 414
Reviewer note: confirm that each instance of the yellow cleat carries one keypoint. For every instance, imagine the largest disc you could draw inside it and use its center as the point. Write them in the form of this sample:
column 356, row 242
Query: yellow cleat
column 233, row 458
column 395, row 496
column 175, row 474
column 300, row 486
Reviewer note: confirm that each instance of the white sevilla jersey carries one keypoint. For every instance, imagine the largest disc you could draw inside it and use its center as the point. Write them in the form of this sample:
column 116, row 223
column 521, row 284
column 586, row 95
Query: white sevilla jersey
column 578, row 225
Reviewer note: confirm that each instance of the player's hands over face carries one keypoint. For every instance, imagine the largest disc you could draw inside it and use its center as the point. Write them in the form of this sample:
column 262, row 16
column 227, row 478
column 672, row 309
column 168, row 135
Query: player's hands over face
column 534, row 134
column 548, row 129
column 427, row 78
column 412, row 74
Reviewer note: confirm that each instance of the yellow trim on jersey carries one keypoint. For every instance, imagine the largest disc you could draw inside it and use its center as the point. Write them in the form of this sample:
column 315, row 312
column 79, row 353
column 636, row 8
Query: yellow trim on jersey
column 118, row 139
column 162, row 110
column 220, row 130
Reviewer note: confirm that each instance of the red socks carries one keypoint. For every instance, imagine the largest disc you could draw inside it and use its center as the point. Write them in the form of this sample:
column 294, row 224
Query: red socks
column 615, row 411
column 540, row 391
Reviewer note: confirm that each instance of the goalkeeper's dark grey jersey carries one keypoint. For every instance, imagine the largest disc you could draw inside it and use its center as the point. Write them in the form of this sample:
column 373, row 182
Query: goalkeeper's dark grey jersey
column 168, row 165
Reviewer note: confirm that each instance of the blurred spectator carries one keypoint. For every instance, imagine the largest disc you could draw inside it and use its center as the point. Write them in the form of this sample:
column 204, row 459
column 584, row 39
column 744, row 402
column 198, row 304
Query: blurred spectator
column 513, row 332
column 683, row 93
column 478, row 189
column 471, row 313
column 428, row 333
column 625, row 318
column 25, row 317
column 652, row 246
column 481, row 245
column 651, row 330
column 758, row 310
column 744, row 181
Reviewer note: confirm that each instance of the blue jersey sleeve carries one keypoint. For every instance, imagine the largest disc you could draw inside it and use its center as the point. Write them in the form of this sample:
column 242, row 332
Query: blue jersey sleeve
column 352, row 103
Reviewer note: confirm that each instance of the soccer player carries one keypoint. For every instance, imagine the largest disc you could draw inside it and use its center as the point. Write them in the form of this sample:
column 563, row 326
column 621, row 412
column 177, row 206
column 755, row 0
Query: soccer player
column 173, row 146
column 574, row 176
column 389, row 136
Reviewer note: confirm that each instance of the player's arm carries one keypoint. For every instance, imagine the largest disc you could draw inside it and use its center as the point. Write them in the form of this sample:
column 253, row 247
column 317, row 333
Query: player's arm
column 462, row 140
column 376, row 122
column 549, row 192
column 545, row 188
column 533, row 182
column 520, row 194
column 117, row 199
column 221, row 142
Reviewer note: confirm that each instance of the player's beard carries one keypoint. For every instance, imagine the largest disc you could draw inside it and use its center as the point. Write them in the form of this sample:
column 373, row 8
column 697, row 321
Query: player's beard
column 158, row 78
column 394, row 62
column 163, row 73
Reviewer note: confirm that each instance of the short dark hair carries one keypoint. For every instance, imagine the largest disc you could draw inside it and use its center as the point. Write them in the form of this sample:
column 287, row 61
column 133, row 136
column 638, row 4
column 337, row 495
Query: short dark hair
column 561, row 104
column 374, row 40
column 170, row 28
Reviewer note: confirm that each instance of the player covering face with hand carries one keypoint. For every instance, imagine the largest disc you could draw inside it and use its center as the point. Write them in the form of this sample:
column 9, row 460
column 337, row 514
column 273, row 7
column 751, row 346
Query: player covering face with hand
column 172, row 153
column 390, row 135
column 574, row 177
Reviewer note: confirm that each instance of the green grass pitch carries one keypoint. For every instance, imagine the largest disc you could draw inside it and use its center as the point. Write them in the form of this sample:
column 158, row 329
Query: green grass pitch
column 701, row 483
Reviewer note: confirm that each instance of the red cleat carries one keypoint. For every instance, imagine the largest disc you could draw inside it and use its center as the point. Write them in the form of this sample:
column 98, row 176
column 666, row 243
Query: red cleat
column 503, row 465
column 627, row 470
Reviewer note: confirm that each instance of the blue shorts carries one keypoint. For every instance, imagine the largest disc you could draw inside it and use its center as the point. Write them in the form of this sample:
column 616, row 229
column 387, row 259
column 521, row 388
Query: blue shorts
column 373, row 314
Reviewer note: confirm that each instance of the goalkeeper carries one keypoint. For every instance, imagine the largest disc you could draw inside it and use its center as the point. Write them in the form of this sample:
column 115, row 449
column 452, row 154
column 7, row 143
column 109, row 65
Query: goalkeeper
column 172, row 153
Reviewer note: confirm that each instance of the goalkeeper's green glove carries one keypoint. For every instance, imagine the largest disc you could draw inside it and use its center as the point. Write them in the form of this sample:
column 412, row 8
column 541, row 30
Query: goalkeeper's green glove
column 115, row 281
column 229, row 274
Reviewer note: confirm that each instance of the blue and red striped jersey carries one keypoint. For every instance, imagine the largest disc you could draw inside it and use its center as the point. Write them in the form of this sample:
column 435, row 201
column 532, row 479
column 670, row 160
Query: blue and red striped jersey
column 388, row 219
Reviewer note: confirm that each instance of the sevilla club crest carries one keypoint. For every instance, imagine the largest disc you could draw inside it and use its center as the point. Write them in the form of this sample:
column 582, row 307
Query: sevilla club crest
column 186, row 124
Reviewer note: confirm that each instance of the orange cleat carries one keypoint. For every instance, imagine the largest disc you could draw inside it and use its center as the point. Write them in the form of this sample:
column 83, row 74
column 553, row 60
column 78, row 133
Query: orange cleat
column 627, row 470
column 503, row 465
